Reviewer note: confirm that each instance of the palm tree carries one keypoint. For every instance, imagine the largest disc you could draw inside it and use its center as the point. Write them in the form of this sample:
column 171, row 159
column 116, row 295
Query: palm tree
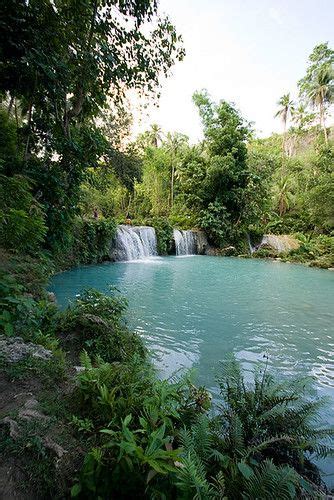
column 321, row 93
column 299, row 115
column 155, row 134
column 283, row 195
column 174, row 144
column 286, row 107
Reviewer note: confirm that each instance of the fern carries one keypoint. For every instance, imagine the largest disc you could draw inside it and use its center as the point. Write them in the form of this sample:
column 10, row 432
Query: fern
column 272, row 482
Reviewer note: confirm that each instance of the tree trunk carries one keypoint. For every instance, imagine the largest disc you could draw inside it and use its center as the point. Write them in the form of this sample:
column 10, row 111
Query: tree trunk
column 284, row 149
column 322, row 118
column 10, row 105
column 26, row 150
column 172, row 186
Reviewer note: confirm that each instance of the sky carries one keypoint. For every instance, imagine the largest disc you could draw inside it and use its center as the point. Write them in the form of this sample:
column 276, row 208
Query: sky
column 249, row 52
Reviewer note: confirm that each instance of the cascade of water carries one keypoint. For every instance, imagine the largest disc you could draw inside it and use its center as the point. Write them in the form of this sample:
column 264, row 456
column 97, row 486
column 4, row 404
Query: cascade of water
column 134, row 242
column 185, row 242
column 250, row 246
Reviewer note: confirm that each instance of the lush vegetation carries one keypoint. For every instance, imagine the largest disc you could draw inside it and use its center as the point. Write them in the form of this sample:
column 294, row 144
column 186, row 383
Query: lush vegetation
column 69, row 169
column 69, row 172
column 128, row 432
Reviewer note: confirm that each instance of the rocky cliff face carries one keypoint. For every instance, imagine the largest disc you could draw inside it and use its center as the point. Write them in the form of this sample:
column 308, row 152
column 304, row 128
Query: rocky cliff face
column 202, row 243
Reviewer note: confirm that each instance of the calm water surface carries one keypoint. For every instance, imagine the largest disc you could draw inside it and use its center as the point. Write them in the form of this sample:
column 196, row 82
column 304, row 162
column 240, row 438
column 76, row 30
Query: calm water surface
column 192, row 311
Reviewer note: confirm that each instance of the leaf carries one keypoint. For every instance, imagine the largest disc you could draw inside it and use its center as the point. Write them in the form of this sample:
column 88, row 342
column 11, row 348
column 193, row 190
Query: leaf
column 127, row 420
column 305, row 485
column 75, row 490
column 151, row 475
column 245, row 470
column 9, row 330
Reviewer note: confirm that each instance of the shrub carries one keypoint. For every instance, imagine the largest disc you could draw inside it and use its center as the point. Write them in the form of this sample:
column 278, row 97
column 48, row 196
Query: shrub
column 318, row 250
column 164, row 232
column 22, row 315
column 22, row 221
column 138, row 417
column 92, row 239
column 257, row 444
column 95, row 322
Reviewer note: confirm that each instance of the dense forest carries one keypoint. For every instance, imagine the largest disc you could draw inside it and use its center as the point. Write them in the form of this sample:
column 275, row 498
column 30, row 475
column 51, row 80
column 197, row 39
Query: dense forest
column 70, row 171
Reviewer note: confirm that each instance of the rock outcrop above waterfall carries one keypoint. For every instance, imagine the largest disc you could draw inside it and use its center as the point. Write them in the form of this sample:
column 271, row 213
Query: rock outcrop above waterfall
column 281, row 243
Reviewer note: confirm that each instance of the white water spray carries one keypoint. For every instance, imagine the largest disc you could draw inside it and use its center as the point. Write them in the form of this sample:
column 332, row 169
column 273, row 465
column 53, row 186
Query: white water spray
column 134, row 242
column 185, row 242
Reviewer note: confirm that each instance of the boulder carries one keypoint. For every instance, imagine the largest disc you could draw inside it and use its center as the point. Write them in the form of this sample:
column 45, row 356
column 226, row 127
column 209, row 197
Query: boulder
column 14, row 349
column 281, row 243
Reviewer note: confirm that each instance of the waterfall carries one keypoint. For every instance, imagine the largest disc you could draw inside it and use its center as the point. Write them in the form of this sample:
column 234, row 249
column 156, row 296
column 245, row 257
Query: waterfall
column 185, row 242
column 134, row 242
column 250, row 246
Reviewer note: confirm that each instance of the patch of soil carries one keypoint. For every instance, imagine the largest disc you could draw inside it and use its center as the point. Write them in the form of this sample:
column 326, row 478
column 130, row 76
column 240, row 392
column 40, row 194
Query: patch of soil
column 14, row 393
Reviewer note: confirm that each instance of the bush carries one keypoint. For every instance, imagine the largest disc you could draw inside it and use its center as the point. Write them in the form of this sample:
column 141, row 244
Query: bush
column 95, row 322
column 92, row 239
column 164, row 232
column 315, row 250
column 22, row 315
column 159, row 440
column 136, row 417
column 22, row 221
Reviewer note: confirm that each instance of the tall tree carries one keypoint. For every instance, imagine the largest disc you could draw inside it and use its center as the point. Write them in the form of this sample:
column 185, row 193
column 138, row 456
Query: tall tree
column 63, row 61
column 301, row 116
column 155, row 135
column 317, row 86
column 222, row 191
column 321, row 93
column 174, row 144
column 285, row 111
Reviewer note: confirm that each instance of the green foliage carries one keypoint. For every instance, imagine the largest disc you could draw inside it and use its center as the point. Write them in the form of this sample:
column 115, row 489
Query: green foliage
column 97, row 51
column 95, row 322
column 317, row 250
column 164, row 232
column 22, row 221
column 9, row 154
column 258, row 442
column 268, row 420
column 22, row 315
column 217, row 181
column 92, row 239
column 215, row 221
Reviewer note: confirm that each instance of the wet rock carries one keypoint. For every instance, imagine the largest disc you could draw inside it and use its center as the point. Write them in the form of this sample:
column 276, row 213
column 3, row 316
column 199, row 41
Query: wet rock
column 202, row 243
column 229, row 251
column 14, row 349
column 51, row 297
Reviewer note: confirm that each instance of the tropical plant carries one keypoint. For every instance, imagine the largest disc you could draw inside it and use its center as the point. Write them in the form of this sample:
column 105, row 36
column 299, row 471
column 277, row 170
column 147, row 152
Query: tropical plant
column 95, row 322
column 317, row 87
column 321, row 93
column 268, row 420
column 22, row 220
column 285, row 112
column 283, row 195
